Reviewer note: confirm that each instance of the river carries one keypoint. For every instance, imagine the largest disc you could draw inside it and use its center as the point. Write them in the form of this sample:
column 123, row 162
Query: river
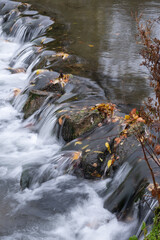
column 100, row 34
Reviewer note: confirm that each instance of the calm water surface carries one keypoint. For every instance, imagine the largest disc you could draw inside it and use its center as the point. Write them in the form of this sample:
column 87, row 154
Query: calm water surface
column 102, row 33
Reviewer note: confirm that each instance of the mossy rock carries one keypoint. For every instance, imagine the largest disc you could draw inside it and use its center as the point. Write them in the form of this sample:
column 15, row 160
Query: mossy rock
column 42, row 79
column 155, row 232
column 94, row 153
column 35, row 100
column 78, row 123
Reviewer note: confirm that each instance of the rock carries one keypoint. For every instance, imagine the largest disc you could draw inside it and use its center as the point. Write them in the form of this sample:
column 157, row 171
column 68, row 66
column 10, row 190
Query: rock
column 43, row 84
column 43, row 80
column 35, row 100
column 77, row 123
column 94, row 153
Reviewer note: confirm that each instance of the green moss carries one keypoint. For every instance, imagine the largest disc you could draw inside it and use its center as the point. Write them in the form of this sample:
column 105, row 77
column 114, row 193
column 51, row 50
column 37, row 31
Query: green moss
column 79, row 123
column 155, row 232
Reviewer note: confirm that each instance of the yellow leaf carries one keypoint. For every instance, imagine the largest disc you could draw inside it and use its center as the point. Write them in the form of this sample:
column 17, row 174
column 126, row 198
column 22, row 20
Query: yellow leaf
column 78, row 143
column 98, row 152
column 108, row 147
column 62, row 55
column 90, row 45
column 88, row 150
column 109, row 163
column 42, row 41
column 38, row 71
column 127, row 117
column 76, row 155
column 85, row 147
column 49, row 29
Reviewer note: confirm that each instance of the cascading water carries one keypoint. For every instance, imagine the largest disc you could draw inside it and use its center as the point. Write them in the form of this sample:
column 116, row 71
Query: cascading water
column 64, row 207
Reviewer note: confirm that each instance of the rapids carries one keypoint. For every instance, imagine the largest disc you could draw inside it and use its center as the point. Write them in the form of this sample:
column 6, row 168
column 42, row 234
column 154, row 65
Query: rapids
column 64, row 207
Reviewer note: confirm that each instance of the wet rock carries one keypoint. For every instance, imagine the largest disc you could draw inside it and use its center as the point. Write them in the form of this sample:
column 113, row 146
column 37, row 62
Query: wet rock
column 43, row 84
column 26, row 177
column 35, row 100
column 94, row 153
column 43, row 80
column 77, row 123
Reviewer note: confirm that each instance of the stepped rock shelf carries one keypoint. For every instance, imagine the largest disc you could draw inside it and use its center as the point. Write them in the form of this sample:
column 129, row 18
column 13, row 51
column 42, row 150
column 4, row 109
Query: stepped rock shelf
column 97, row 140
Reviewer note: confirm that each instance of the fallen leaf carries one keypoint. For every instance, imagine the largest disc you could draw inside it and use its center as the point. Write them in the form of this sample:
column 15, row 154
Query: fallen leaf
column 108, row 147
column 98, row 152
column 85, row 147
column 94, row 165
column 109, row 163
column 60, row 120
column 16, row 91
column 88, row 150
column 78, row 143
column 134, row 111
column 43, row 39
column 117, row 140
column 39, row 71
column 90, row 45
column 127, row 117
column 157, row 149
column 140, row 119
column 76, row 155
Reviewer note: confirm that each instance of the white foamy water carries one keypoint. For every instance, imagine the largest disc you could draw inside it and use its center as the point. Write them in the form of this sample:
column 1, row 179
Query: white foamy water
column 63, row 208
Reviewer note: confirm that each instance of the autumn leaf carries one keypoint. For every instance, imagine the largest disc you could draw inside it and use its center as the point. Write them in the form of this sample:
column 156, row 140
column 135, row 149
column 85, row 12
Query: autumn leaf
column 108, row 147
column 43, row 39
column 84, row 147
column 134, row 111
column 16, row 91
column 60, row 120
column 88, row 150
column 76, row 155
column 90, row 45
column 98, row 152
column 140, row 119
column 39, row 71
column 117, row 140
column 96, row 174
column 109, row 163
column 127, row 117
column 157, row 149
column 61, row 54
column 78, row 143
column 94, row 165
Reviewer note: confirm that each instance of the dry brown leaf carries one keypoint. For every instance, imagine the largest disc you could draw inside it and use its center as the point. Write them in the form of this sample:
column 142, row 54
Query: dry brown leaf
column 117, row 140
column 157, row 149
column 94, row 165
column 16, row 91
column 140, row 119
column 76, row 155
column 134, row 110
column 60, row 120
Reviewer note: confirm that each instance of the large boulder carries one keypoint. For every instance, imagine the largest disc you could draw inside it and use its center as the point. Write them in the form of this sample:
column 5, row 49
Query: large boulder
column 43, row 84
column 35, row 100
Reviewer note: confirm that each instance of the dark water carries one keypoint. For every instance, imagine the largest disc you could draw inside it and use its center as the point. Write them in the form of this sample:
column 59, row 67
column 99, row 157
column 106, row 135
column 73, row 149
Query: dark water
column 102, row 33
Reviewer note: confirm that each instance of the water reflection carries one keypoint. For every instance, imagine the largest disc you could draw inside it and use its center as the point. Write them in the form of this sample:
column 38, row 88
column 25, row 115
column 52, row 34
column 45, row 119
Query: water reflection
column 103, row 34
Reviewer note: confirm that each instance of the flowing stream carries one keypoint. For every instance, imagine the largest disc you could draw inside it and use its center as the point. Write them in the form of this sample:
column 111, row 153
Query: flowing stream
column 64, row 207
